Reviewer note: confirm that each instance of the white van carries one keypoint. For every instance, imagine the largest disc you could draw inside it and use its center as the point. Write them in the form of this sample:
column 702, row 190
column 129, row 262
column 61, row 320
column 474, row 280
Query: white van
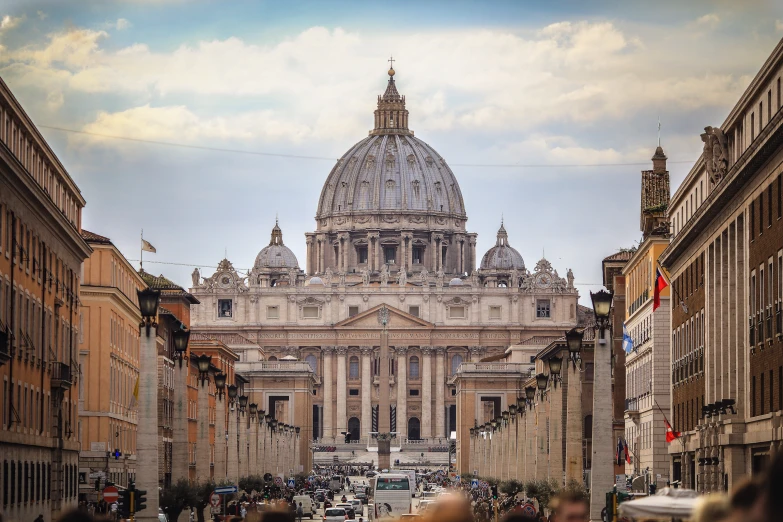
column 308, row 510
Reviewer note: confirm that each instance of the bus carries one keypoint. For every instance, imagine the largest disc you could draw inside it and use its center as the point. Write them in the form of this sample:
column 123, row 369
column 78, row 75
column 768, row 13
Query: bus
column 392, row 496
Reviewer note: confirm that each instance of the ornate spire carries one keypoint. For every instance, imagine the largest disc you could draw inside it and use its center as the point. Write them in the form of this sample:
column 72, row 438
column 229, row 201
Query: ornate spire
column 277, row 235
column 502, row 236
column 391, row 117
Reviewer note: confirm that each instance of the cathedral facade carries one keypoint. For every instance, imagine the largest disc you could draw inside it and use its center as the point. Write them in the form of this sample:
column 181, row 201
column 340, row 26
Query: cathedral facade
column 391, row 230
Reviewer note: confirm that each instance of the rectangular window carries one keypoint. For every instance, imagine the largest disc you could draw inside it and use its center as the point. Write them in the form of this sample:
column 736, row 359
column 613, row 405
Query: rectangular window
column 417, row 255
column 273, row 312
column 752, row 126
column 771, row 392
column 353, row 310
column 456, row 312
column 761, row 214
column 494, row 312
column 362, row 254
column 353, row 392
column 413, row 393
column 780, row 196
column 769, row 205
column 389, row 254
column 761, row 116
column 543, row 308
column 753, row 396
column 225, row 308
column 761, row 395
column 769, row 105
column 752, row 219
column 310, row 312
column 414, row 311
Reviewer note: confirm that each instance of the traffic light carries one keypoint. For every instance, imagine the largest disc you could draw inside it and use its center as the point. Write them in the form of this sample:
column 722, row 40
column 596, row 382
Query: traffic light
column 494, row 492
column 266, row 492
column 124, row 504
column 141, row 499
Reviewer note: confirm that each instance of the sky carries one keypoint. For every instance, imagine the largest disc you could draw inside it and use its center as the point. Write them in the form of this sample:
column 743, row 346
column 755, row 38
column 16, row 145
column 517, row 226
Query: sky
column 234, row 112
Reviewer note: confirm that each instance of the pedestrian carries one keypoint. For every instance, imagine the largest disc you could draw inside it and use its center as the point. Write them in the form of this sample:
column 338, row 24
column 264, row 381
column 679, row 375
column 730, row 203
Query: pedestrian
column 39, row 519
column 299, row 512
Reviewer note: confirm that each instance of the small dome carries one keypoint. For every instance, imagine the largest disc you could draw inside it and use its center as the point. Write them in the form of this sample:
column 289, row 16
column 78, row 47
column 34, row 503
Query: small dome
column 455, row 282
column 315, row 281
column 276, row 254
column 502, row 256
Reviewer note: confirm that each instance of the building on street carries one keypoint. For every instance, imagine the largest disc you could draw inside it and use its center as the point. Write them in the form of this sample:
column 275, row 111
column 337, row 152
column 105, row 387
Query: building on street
column 41, row 254
column 726, row 267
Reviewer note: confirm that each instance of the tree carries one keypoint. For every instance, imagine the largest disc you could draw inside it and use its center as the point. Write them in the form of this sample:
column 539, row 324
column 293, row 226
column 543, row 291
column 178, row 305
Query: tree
column 251, row 483
column 511, row 487
column 203, row 492
column 177, row 497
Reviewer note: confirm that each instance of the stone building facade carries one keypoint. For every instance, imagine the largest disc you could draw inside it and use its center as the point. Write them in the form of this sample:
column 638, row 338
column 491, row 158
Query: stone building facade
column 725, row 264
column 647, row 366
column 390, row 230
column 41, row 253
column 109, row 362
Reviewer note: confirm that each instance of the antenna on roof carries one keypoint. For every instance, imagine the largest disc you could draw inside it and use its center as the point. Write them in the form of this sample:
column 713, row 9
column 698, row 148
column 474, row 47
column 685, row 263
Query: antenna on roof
column 659, row 130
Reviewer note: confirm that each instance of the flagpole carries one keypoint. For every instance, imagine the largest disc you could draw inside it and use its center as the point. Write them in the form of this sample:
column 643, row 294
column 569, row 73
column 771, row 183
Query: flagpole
column 141, row 251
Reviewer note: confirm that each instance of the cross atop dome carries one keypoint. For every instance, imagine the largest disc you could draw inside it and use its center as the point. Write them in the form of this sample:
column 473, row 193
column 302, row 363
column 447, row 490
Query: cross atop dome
column 391, row 117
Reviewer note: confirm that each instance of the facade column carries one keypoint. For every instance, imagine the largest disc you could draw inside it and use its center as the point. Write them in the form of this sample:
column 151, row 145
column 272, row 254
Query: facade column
column 472, row 255
column 147, row 433
column 440, row 413
column 220, row 438
column 403, row 255
column 328, row 425
column 243, row 454
column 309, row 260
column 252, row 446
column 340, row 422
column 339, row 260
column 179, row 446
column 556, row 433
column 345, row 250
column 202, row 434
column 233, row 446
column 402, row 391
column 370, row 253
column 475, row 353
column 530, row 444
column 602, row 468
column 573, row 427
column 409, row 252
column 378, row 259
column 426, row 393
column 366, row 393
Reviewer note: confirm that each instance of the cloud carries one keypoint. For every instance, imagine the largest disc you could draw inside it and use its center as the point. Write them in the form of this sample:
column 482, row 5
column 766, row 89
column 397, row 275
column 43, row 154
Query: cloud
column 41, row 15
column 709, row 21
column 122, row 24
column 9, row 22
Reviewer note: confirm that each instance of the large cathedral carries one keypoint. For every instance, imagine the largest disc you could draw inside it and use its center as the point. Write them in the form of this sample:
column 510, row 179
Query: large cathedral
column 390, row 230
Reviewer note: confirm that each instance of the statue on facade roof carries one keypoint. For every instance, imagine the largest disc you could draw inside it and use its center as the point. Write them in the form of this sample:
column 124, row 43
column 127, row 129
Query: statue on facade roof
column 402, row 277
column 439, row 278
column 570, row 277
column 424, row 275
column 196, row 276
column 384, row 274
column 365, row 277
column 328, row 276
column 514, row 278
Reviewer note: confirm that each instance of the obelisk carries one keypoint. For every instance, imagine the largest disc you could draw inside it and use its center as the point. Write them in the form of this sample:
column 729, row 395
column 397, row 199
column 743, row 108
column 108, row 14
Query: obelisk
column 384, row 410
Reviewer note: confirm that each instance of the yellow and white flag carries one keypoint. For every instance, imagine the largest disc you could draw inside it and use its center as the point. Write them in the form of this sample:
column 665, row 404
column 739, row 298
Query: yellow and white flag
column 147, row 247
column 135, row 397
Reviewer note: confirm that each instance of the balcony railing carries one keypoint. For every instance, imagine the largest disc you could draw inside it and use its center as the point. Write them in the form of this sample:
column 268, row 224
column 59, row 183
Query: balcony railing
column 493, row 367
column 631, row 405
column 61, row 375
column 278, row 366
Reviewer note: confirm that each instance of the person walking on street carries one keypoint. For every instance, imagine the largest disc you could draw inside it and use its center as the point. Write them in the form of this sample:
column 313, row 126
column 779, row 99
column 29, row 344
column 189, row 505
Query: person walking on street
column 39, row 519
column 299, row 512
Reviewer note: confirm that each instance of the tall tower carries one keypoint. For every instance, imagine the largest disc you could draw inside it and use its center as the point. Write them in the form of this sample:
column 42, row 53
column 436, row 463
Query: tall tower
column 391, row 117
column 655, row 196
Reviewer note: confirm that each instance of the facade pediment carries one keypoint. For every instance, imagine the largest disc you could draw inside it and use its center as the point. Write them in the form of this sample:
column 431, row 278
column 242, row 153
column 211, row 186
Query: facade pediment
column 397, row 320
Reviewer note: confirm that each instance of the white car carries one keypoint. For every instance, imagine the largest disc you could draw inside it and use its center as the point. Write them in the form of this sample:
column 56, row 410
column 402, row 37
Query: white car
column 335, row 515
column 357, row 505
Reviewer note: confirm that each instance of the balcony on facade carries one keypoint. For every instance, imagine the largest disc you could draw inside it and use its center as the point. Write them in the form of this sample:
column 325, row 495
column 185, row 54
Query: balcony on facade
column 61, row 376
column 632, row 407
column 496, row 368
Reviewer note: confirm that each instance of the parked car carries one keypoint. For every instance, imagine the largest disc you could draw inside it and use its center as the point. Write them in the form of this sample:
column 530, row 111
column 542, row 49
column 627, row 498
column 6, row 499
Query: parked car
column 335, row 515
column 370, row 474
column 357, row 504
column 362, row 497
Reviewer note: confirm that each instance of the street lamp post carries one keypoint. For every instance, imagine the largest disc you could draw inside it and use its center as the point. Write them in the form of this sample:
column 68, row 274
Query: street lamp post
column 147, row 431
column 221, row 470
column 232, row 441
column 602, row 470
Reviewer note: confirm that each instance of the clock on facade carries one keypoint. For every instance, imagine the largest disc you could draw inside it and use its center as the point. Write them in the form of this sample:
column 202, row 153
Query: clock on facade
column 543, row 280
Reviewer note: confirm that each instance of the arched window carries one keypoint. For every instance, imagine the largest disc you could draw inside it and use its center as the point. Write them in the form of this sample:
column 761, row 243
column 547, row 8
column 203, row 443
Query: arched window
column 414, row 428
column 353, row 367
column 273, row 358
column 414, row 367
column 313, row 362
column 455, row 362
column 353, row 428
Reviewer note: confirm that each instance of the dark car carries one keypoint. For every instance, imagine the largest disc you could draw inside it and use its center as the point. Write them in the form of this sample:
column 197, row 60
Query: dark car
column 320, row 497
column 370, row 474
column 362, row 497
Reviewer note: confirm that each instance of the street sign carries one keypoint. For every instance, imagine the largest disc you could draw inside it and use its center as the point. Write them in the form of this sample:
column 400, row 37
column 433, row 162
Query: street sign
column 621, row 483
column 311, row 479
column 529, row 510
column 457, row 478
column 110, row 494
column 279, row 481
column 291, row 483
column 474, row 483
column 214, row 499
column 226, row 490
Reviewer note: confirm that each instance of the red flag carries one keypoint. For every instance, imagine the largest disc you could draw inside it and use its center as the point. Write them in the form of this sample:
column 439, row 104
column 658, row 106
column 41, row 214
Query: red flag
column 627, row 453
column 660, row 284
column 670, row 433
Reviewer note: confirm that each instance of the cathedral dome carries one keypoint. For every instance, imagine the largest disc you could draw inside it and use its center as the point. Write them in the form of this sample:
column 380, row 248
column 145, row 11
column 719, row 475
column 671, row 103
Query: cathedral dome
column 502, row 256
column 391, row 170
column 276, row 254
